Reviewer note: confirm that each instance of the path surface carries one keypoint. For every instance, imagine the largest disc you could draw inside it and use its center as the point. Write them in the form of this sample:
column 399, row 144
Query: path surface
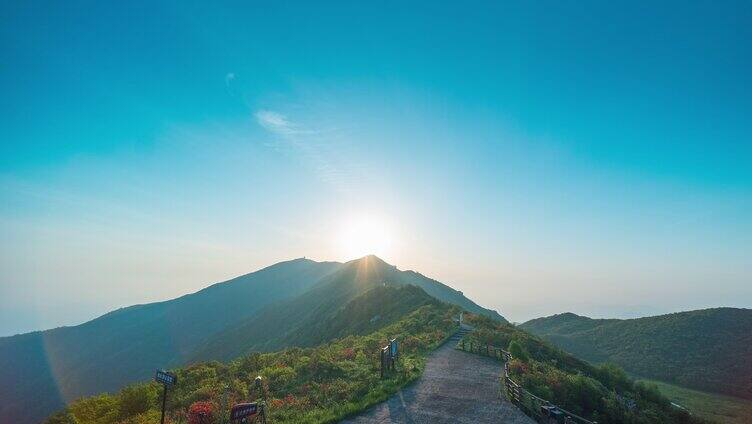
column 456, row 387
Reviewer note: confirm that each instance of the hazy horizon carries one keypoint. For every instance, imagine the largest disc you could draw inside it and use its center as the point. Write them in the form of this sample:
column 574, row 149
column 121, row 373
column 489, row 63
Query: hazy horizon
column 540, row 158
column 597, row 311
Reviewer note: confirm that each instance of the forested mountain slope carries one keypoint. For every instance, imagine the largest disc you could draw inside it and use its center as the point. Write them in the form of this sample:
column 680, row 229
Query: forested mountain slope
column 706, row 349
column 301, row 321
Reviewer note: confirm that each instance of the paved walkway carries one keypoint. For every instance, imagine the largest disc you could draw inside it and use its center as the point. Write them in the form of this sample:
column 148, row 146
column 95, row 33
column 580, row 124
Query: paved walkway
column 456, row 387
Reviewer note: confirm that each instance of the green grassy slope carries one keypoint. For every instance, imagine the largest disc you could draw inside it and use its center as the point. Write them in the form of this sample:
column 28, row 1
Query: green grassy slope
column 707, row 349
column 376, row 308
column 711, row 406
column 319, row 384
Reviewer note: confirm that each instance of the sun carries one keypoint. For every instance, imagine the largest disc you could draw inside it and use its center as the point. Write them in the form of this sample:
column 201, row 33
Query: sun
column 365, row 235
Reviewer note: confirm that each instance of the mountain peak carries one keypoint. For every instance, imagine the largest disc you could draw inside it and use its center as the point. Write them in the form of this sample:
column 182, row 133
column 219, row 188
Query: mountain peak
column 369, row 258
column 370, row 263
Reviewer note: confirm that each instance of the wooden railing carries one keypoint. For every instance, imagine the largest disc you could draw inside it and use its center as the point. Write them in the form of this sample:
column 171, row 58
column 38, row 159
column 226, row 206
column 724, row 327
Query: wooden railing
column 535, row 407
column 483, row 349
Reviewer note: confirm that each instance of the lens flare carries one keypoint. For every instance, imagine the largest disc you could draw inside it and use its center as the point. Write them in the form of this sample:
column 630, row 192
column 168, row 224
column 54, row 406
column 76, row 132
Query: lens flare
column 365, row 235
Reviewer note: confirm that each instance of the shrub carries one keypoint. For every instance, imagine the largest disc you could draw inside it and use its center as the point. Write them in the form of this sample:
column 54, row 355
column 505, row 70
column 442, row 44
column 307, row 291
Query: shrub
column 137, row 399
column 517, row 351
column 201, row 413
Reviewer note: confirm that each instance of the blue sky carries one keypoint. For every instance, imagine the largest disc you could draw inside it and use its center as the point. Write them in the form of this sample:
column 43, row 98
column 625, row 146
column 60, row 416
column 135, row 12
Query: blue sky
column 541, row 157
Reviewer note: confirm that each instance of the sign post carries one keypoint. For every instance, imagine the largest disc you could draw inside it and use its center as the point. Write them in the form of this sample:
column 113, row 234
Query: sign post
column 242, row 411
column 167, row 379
column 384, row 359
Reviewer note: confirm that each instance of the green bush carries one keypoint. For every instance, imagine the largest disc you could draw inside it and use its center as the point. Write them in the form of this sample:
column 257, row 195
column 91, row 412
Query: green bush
column 137, row 399
column 517, row 351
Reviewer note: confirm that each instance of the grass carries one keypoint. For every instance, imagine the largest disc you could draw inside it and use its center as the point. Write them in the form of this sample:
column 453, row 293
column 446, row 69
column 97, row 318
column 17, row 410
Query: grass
column 303, row 385
column 711, row 406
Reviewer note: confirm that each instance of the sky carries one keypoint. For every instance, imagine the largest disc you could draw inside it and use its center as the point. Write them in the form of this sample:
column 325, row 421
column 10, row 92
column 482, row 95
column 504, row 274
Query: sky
column 541, row 157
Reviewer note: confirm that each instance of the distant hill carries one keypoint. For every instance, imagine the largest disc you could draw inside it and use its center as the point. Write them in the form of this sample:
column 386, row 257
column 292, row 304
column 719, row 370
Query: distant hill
column 708, row 349
column 279, row 306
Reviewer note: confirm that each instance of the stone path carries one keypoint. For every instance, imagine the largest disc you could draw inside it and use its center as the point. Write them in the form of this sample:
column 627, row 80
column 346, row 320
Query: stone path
column 456, row 387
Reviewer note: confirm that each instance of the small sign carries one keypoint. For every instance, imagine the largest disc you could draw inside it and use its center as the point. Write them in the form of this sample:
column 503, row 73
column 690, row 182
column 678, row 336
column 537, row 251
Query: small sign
column 166, row 378
column 393, row 348
column 243, row 410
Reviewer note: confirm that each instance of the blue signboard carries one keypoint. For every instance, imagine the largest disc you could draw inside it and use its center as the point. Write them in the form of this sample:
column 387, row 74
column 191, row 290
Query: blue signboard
column 243, row 410
column 166, row 378
column 393, row 348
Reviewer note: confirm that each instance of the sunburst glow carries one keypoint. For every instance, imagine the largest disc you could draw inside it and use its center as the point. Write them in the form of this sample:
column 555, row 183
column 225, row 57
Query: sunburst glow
column 365, row 235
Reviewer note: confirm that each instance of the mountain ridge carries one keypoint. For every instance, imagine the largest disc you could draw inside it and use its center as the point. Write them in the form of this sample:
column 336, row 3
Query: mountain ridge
column 262, row 332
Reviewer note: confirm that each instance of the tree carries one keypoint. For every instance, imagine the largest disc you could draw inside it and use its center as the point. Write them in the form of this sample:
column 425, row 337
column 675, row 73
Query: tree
column 137, row 399
column 613, row 377
column 517, row 351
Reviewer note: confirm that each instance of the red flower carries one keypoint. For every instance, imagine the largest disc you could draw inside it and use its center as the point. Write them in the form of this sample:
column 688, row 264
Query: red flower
column 348, row 354
column 201, row 413
column 290, row 399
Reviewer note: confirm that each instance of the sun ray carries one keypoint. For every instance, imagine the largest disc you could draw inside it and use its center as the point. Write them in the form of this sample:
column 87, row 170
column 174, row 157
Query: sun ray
column 365, row 235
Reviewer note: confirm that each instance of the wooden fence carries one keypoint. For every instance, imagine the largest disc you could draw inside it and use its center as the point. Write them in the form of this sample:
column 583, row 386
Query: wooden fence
column 540, row 409
column 535, row 407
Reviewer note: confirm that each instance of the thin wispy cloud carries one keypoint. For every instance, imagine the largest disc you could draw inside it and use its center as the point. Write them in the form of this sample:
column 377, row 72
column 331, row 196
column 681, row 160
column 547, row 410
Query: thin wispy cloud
column 276, row 122
column 279, row 124
column 321, row 150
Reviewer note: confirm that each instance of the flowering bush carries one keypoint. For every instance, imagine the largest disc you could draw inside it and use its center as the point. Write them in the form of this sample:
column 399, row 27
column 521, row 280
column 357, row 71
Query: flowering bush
column 201, row 413
column 348, row 354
